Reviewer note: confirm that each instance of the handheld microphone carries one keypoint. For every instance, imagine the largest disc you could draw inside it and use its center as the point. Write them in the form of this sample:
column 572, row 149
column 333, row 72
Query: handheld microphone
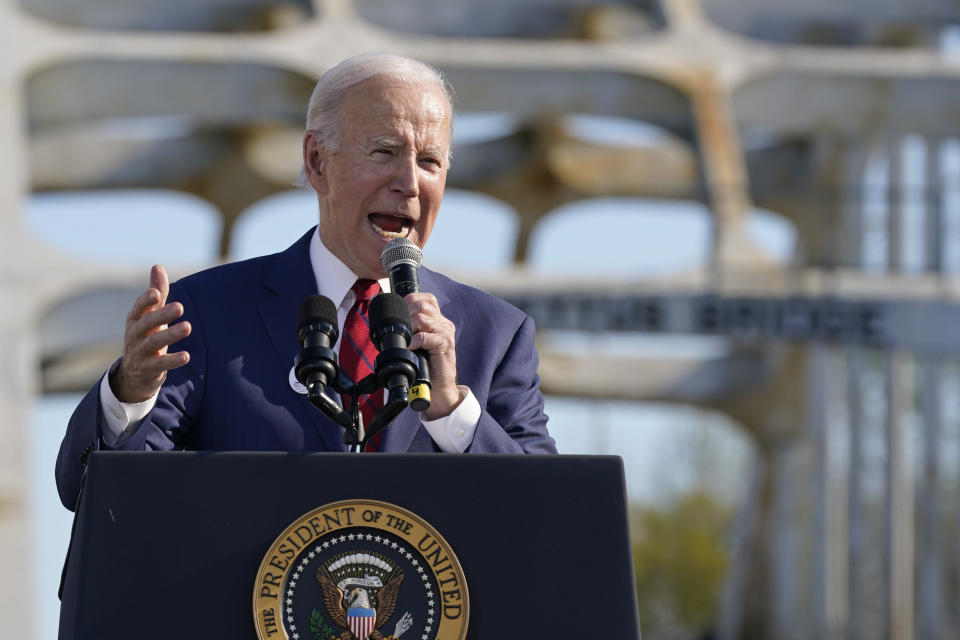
column 401, row 259
column 316, row 364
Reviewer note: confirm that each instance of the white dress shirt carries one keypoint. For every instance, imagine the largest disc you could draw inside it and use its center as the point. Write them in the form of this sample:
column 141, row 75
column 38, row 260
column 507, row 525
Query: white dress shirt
column 453, row 434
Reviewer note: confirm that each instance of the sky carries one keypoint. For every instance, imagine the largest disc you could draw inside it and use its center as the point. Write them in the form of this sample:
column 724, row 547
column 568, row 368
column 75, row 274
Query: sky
column 667, row 450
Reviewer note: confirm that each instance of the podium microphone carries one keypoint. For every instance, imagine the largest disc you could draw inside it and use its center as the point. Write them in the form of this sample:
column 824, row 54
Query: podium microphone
column 390, row 333
column 316, row 364
column 401, row 258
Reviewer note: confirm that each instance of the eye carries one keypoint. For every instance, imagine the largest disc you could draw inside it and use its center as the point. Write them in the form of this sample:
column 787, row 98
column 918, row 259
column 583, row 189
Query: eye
column 430, row 160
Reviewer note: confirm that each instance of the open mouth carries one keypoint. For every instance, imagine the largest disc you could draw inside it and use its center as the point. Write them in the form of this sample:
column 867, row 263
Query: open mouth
column 390, row 226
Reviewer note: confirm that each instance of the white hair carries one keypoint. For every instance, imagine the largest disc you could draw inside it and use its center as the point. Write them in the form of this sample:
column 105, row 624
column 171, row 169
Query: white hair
column 323, row 111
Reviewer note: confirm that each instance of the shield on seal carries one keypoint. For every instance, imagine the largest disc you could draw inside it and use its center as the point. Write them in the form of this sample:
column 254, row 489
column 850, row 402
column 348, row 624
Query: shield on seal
column 361, row 621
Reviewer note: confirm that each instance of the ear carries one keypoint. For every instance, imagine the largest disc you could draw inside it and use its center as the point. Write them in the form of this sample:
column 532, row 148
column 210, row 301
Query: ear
column 314, row 162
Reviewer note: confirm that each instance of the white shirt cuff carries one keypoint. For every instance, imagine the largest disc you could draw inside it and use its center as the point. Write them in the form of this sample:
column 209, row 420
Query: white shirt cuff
column 454, row 433
column 121, row 419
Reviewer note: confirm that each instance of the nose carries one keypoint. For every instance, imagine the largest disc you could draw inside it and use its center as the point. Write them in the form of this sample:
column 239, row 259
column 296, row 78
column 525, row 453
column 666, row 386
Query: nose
column 406, row 176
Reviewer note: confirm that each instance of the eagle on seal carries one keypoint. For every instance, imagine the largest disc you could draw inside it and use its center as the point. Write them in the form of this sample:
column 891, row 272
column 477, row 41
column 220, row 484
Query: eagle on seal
column 338, row 603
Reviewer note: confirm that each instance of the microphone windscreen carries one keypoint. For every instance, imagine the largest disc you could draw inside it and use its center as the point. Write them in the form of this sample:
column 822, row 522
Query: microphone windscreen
column 316, row 308
column 388, row 308
column 400, row 250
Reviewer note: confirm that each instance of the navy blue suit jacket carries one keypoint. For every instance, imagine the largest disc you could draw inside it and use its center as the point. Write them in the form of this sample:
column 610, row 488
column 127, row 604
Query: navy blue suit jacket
column 235, row 394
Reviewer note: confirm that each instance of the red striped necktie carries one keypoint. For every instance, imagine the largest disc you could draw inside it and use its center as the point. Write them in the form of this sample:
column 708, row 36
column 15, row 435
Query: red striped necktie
column 358, row 354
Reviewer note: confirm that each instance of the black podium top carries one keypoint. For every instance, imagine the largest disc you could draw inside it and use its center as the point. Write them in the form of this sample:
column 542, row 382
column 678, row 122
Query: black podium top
column 168, row 545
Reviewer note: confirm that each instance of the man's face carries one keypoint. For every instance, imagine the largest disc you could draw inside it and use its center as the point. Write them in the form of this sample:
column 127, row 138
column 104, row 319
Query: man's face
column 387, row 177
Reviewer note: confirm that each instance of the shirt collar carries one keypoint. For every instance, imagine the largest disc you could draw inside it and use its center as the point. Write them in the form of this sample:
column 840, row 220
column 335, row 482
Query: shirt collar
column 334, row 279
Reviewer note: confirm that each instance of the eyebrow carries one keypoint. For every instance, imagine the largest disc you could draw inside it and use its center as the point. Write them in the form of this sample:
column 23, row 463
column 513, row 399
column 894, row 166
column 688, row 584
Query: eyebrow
column 386, row 141
column 390, row 142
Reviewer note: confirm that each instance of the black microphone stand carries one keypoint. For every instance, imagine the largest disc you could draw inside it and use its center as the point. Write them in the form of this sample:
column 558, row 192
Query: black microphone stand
column 355, row 435
column 396, row 367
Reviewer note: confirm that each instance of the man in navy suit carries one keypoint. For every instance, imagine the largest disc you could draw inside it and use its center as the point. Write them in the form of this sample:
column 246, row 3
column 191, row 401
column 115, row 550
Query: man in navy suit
column 207, row 361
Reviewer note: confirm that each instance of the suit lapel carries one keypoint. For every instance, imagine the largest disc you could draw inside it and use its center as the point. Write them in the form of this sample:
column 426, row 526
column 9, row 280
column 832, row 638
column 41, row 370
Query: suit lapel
column 287, row 284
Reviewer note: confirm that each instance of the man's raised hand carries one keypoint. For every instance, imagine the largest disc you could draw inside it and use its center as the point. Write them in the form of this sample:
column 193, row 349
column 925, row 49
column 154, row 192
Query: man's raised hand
column 145, row 361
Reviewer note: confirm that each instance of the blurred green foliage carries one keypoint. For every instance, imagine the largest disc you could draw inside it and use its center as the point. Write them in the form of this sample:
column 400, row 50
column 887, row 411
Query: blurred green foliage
column 680, row 558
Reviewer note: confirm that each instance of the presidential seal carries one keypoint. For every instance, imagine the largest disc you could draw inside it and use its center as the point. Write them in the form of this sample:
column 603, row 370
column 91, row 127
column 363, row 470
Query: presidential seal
column 360, row 570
